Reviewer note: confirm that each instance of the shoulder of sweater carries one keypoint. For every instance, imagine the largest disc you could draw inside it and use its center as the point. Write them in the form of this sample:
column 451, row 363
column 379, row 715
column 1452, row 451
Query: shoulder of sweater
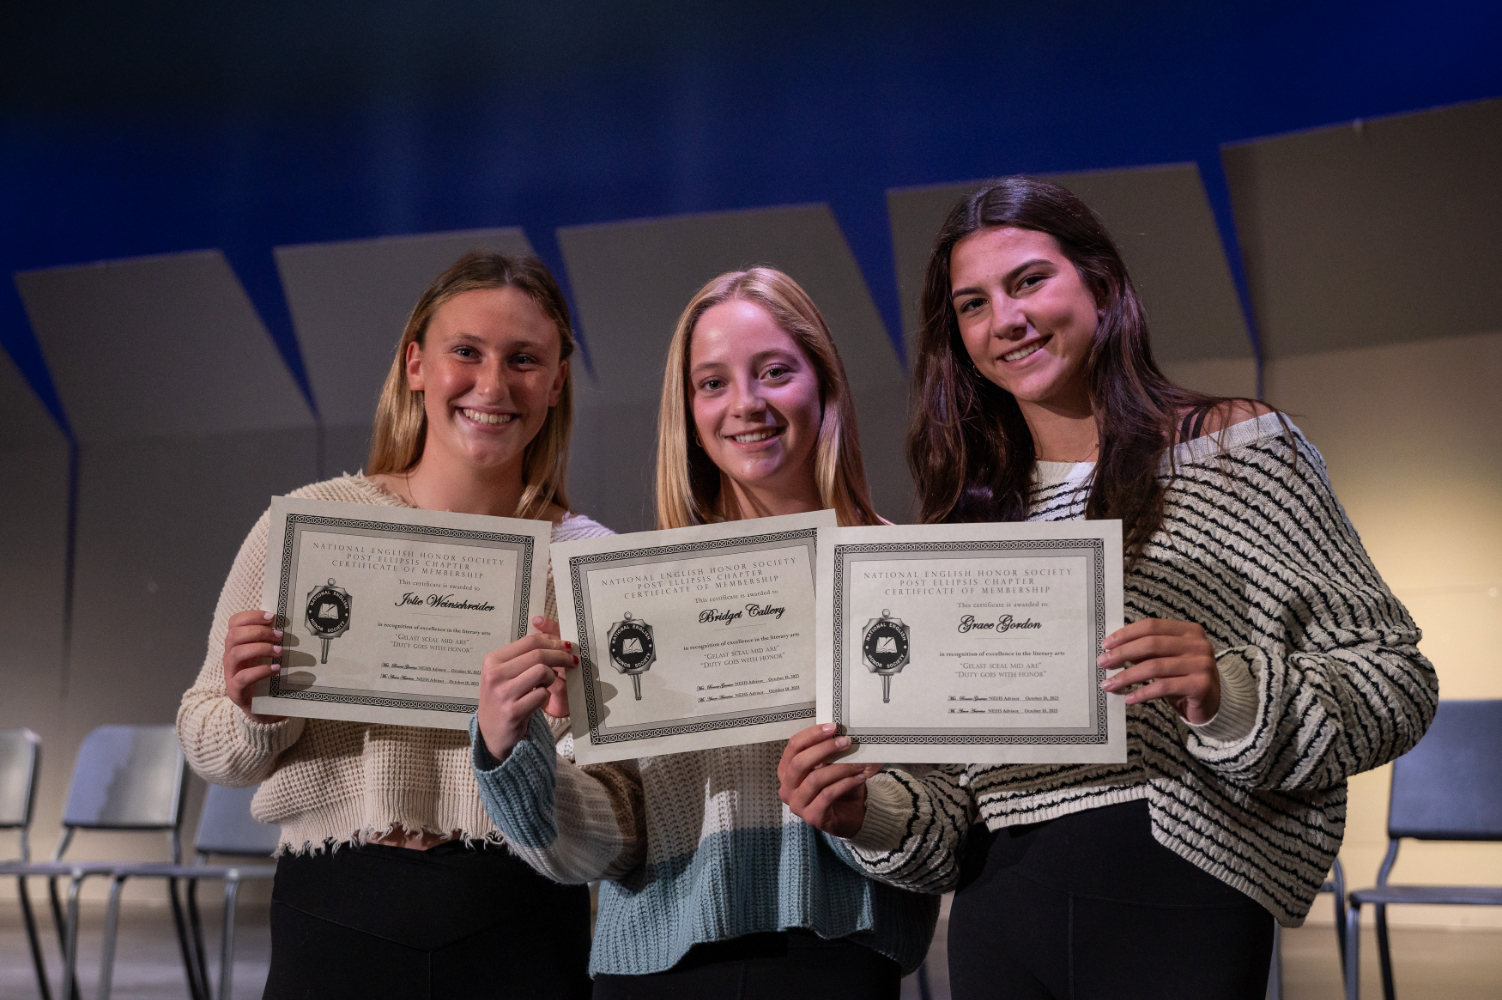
column 355, row 488
column 1271, row 432
column 575, row 526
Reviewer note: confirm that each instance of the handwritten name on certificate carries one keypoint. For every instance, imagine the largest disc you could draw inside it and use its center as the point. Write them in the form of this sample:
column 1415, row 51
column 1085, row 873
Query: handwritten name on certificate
column 691, row 638
column 971, row 643
column 389, row 612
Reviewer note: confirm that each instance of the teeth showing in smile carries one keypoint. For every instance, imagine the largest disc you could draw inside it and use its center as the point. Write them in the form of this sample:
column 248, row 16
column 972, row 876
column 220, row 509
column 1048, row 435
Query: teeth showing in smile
column 489, row 418
column 751, row 437
column 1023, row 352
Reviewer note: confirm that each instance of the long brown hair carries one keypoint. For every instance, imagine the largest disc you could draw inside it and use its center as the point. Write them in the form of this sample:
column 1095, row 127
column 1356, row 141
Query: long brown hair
column 970, row 450
column 401, row 423
column 688, row 483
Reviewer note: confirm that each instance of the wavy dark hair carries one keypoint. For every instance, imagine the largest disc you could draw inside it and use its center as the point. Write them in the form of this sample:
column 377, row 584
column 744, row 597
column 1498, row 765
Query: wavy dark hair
column 969, row 447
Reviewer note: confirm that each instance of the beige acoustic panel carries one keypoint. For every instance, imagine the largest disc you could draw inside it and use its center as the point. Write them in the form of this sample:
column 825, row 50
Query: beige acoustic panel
column 350, row 302
column 159, row 347
column 1412, row 436
column 632, row 280
column 1161, row 220
column 1374, row 232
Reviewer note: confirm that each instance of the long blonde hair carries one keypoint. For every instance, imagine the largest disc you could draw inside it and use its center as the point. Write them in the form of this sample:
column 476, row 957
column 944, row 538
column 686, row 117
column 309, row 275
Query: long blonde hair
column 688, row 483
column 401, row 423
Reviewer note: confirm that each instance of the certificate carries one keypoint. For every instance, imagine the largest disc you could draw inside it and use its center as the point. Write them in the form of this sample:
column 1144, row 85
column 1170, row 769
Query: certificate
column 388, row 612
column 691, row 638
column 971, row 643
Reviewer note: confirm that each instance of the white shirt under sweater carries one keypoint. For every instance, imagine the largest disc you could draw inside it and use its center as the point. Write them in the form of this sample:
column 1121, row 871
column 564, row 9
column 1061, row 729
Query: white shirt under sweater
column 1322, row 679
column 323, row 780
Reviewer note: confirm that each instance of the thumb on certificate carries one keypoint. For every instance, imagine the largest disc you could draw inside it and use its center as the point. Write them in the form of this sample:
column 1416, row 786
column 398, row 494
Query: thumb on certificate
column 545, row 626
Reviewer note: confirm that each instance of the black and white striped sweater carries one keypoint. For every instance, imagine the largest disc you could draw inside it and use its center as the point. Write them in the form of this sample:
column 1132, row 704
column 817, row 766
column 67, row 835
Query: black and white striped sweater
column 1256, row 549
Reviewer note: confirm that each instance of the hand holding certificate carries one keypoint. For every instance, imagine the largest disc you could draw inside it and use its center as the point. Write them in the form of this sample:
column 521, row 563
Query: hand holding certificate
column 388, row 612
column 691, row 638
column 971, row 643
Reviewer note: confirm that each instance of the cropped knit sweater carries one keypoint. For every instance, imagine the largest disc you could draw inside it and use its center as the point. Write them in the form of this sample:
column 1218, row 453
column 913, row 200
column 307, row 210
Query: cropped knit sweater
column 346, row 782
column 693, row 847
column 1322, row 679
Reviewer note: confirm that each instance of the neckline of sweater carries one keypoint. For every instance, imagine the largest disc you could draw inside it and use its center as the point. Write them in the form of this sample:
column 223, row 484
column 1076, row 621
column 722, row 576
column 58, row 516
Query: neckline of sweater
column 380, row 494
column 1188, row 452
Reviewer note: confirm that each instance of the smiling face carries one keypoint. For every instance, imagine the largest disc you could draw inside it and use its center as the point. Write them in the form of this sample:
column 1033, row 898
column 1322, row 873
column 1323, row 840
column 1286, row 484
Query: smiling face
column 756, row 403
column 1026, row 317
column 488, row 369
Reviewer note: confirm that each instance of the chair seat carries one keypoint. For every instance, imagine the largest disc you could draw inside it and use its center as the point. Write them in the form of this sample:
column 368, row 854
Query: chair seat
column 1449, row 895
column 167, row 870
column 60, row 869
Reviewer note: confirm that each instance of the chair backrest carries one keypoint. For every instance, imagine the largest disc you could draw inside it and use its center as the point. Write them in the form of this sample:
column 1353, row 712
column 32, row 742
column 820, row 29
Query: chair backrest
column 127, row 778
column 226, row 826
column 1449, row 787
column 20, row 755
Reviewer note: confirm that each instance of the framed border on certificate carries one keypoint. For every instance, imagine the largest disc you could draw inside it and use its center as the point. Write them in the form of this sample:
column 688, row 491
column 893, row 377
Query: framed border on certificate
column 388, row 612
column 692, row 638
column 971, row 643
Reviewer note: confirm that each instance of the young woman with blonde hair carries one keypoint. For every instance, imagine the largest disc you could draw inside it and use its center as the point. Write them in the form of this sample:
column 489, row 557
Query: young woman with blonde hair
column 711, row 887
column 391, row 880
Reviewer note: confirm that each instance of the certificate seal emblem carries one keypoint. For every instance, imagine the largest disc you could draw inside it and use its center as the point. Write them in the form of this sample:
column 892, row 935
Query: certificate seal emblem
column 328, row 613
column 885, row 649
column 632, row 650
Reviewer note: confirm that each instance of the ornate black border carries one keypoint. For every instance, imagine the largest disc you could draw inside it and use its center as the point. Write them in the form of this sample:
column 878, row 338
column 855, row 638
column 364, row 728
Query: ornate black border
column 1097, row 545
column 284, row 586
column 576, row 565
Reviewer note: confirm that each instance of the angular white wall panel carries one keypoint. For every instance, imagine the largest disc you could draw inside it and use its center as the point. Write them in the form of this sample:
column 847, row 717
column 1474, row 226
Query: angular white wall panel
column 349, row 303
column 159, row 347
column 1374, row 232
column 1161, row 220
column 632, row 280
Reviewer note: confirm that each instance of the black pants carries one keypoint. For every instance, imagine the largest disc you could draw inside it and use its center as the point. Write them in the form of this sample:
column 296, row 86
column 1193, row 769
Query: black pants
column 378, row 921
column 765, row 967
column 1090, row 906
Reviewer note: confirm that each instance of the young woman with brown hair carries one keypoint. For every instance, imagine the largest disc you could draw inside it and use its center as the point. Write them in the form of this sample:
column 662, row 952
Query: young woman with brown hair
column 391, row 880
column 1264, row 662
column 711, row 887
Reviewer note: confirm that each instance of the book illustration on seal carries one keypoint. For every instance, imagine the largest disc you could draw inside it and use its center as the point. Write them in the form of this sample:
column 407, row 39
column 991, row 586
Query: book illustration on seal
column 632, row 650
column 885, row 649
column 327, row 613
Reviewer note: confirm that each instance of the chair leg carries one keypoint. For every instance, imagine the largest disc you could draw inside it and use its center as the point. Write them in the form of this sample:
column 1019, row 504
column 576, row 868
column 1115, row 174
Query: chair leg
column 111, row 927
column 70, row 939
column 1353, row 952
column 182, row 941
column 1384, row 952
column 227, row 939
column 43, row 986
column 1340, row 924
column 195, row 927
column 1275, row 973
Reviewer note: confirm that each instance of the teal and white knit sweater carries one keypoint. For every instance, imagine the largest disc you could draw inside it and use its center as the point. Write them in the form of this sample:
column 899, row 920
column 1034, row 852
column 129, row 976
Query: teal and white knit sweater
column 1322, row 679
column 692, row 847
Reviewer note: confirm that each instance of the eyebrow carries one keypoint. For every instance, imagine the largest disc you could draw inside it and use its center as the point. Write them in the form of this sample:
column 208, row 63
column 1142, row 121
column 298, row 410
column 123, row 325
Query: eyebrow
column 1010, row 277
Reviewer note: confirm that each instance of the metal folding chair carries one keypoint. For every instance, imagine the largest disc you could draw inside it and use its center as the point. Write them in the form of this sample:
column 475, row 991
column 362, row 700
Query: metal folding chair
column 224, row 828
column 20, row 772
column 1336, row 884
column 1449, row 787
column 126, row 778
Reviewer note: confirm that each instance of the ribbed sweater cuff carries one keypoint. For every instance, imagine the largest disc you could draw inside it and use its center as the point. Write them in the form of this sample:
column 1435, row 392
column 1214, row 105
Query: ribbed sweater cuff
column 1237, row 714
column 518, row 792
column 558, row 727
column 889, row 809
column 267, row 739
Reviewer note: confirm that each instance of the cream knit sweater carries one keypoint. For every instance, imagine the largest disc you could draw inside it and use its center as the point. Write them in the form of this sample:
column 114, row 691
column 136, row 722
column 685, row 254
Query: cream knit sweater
column 321, row 780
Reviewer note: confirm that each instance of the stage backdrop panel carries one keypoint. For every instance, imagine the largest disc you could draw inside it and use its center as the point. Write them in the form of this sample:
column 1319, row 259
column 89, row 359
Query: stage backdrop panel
column 1161, row 220
column 1372, row 253
column 188, row 422
column 1373, row 232
column 34, row 539
column 350, row 301
column 632, row 280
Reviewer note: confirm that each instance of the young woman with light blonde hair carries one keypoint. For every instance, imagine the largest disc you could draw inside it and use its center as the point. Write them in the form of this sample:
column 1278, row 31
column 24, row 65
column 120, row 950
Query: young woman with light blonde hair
column 711, row 886
column 391, row 880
